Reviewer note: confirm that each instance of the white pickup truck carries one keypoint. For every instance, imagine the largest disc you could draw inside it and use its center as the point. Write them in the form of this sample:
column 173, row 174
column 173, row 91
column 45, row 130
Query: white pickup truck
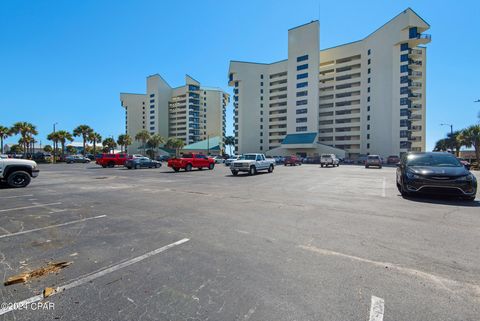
column 252, row 163
column 17, row 172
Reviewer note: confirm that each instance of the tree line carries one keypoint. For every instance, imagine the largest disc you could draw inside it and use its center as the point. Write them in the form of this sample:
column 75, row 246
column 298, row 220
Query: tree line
column 61, row 138
column 467, row 137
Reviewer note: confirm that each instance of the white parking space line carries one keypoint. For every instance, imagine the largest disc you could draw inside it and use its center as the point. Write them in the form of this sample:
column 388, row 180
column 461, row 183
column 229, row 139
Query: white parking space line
column 377, row 309
column 17, row 196
column 92, row 276
column 51, row 226
column 27, row 207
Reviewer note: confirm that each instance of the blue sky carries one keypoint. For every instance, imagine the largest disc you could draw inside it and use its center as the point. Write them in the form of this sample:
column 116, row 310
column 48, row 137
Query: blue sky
column 67, row 61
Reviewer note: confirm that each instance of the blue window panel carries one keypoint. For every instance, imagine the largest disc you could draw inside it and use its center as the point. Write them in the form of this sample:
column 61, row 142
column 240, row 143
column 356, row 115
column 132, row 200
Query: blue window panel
column 302, row 58
column 413, row 32
column 152, row 111
column 302, row 102
column 302, row 76
column 152, row 106
column 404, row 79
column 403, row 90
column 404, row 57
column 302, row 67
column 302, row 84
column 301, row 111
column 152, row 128
column 301, row 120
column 404, row 112
column 404, row 68
column 301, row 129
column 404, row 101
column 404, row 46
column 152, row 95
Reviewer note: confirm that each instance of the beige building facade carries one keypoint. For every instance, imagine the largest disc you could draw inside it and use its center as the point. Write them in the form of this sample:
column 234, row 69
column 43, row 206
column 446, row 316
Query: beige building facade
column 364, row 97
column 189, row 112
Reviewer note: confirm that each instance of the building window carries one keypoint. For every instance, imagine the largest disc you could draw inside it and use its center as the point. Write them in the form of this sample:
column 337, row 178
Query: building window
column 301, row 129
column 301, row 111
column 261, row 133
column 261, row 91
column 261, row 141
column 261, row 126
column 404, row 134
column 404, row 46
column 302, row 84
column 152, row 128
column 261, row 148
column 413, row 32
column 261, row 105
column 368, row 127
column 368, row 108
column 302, row 102
column 261, row 76
column 368, row 89
column 152, row 117
column 404, row 101
column 403, row 122
column 152, row 106
column 404, row 79
column 404, row 57
column 261, row 97
column 368, row 136
column 152, row 95
column 302, row 58
column 302, row 120
column 368, row 145
column 302, row 67
column 302, row 93
column 261, row 83
column 236, row 84
column 403, row 90
column 152, row 123
column 152, row 101
column 369, row 51
column 368, row 79
column 369, row 70
column 404, row 68
column 368, row 98
column 261, row 112
column 369, row 61
column 302, row 76
column 368, row 117
column 261, row 120
column 404, row 112
column 152, row 111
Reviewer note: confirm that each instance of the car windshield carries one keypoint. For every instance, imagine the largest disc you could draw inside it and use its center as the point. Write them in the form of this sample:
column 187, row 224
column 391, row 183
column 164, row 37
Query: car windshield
column 439, row 160
column 248, row 157
column 373, row 157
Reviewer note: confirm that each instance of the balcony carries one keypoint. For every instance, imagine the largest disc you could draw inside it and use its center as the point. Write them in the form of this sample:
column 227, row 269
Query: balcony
column 415, row 96
column 415, row 52
column 414, row 74
column 414, row 85
column 416, row 128
column 415, row 64
column 415, row 106
column 419, row 39
column 415, row 139
column 415, row 117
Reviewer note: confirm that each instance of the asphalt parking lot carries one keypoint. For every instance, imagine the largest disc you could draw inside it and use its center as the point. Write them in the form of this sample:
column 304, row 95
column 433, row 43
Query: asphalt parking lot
column 302, row 243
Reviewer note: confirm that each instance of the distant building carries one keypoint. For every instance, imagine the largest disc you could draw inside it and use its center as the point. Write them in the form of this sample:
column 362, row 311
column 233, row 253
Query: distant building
column 364, row 97
column 190, row 112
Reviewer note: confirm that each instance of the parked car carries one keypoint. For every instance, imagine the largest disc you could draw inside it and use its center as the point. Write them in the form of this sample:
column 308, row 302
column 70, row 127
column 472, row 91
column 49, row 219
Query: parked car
column 218, row 159
column 329, row 159
column 76, row 159
column 435, row 173
column 465, row 163
column 163, row 158
column 230, row 160
column 279, row 160
column 252, row 163
column 393, row 159
column 189, row 161
column 111, row 160
column 90, row 157
column 373, row 160
column 312, row 160
column 292, row 161
column 3, row 156
column 17, row 172
column 142, row 162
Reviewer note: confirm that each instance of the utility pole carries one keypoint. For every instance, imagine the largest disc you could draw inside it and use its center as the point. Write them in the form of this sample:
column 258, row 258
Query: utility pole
column 208, row 145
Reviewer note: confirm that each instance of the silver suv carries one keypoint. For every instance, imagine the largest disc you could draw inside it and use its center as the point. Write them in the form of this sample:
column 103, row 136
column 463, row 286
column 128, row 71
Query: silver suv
column 329, row 159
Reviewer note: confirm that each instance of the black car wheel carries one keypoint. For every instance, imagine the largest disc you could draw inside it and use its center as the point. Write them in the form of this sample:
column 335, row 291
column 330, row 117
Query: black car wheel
column 235, row 173
column 18, row 179
column 188, row 168
column 211, row 166
column 270, row 168
column 111, row 164
column 176, row 169
column 252, row 170
column 158, row 165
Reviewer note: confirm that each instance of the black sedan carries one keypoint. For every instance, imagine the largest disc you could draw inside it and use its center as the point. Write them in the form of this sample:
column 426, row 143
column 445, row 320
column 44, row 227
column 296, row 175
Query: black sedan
column 435, row 173
column 142, row 162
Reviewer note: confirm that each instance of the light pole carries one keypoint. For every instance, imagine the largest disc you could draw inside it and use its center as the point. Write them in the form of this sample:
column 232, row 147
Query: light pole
column 451, row 134
column 54, row 144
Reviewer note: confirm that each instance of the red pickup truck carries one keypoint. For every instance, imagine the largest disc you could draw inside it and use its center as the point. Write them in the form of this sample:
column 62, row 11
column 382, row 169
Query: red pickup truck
column 189, row 161
column 111, row 160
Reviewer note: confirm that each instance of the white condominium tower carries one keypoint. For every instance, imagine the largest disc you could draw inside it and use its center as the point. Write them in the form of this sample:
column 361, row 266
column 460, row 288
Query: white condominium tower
column 364, row 97
column 189, row 112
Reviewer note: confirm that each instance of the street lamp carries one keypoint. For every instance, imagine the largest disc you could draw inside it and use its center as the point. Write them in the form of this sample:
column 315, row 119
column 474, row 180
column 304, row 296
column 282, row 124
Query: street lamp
column 54, row 144
column 451, row 134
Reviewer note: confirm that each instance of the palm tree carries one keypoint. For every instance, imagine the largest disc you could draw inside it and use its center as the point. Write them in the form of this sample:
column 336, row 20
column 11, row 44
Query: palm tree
column 109, row 143
column 230, row 141
column 26, row 131
column 442, row 145
column 455, row 141
column 143, row 136
column 175, row 143
column 47, row 149
column 84, row 131
column 95, row 138
column 71, row 150
column 154, row 142
column 54, row 138
column 124, row 140
column 4, row 134
column 63, row 136
column 471, row 137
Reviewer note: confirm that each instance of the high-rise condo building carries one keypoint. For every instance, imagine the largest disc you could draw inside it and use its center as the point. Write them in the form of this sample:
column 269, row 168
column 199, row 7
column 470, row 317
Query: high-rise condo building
column 189, row 112
column 363, row 97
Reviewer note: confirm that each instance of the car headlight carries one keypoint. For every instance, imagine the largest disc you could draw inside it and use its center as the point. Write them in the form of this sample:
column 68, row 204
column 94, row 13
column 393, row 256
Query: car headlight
column 411, row 175
column 466, row 178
